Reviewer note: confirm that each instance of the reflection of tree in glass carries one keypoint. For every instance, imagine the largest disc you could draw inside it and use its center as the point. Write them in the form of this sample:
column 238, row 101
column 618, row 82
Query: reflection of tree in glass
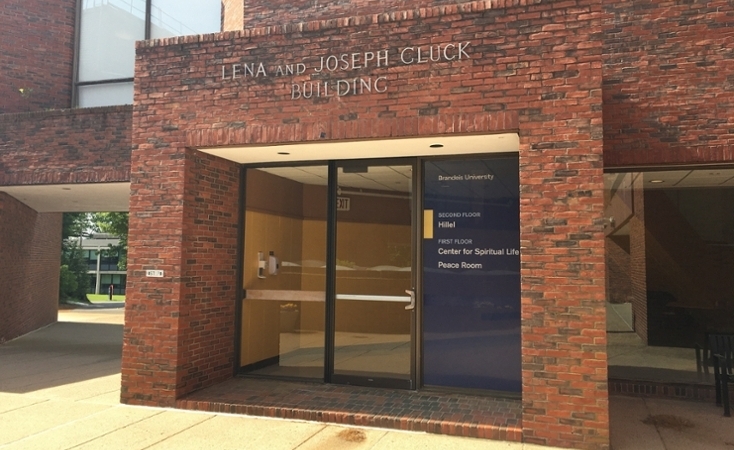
column 399, row 254
column 346, row 263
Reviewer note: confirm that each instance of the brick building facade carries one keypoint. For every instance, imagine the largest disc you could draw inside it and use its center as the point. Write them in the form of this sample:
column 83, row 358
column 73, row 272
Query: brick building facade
column 585, row 86
column 36, row 68
column 38, row 55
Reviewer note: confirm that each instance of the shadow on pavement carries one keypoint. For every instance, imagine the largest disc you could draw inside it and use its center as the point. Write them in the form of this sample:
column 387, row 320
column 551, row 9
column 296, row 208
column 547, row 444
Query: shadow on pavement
column 60, row 354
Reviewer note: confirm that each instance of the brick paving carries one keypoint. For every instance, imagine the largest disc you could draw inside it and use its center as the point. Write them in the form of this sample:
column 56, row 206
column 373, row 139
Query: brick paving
column 429, row 411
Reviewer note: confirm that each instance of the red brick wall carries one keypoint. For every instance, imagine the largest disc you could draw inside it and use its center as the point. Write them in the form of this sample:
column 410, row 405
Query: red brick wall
column 37, row 51
column 261, row 13
column 638, row 259
column 30, row 257
column 181, row 330
column 534, row 69
column 668, row 86
column 71, row 146
column 209, row 270
column 619, row 281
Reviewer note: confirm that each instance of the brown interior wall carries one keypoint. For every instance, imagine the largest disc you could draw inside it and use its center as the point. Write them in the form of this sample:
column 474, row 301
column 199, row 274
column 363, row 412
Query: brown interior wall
column 282, row 235
column 314, row 250
column 355, row 248
column 274, row 194
column 260, row 331
column 261, row 319
column 274, row 220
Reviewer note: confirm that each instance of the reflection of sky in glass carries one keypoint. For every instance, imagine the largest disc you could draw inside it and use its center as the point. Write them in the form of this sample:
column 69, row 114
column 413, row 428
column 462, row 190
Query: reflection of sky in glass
column 135, row 7
column 185, row 17
column 171, row 17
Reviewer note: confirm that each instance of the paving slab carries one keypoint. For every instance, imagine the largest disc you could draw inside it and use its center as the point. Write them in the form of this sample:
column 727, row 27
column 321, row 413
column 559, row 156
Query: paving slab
column 112, row 313
column 108, row 398
column 84, row 430
column 36, row 418
column 68, row 379
column 344, row 438
column 240, row 433
column 148, row 432
column 10, row 402
column 710, row 430
column 83, row 390
column 424, row 441
column 629, row 432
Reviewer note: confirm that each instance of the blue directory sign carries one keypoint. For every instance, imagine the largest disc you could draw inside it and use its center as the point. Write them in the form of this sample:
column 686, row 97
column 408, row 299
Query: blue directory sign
column 471, row 273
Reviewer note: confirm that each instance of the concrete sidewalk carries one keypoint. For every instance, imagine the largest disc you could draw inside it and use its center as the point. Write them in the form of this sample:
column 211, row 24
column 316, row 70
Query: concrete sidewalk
column 59, row 389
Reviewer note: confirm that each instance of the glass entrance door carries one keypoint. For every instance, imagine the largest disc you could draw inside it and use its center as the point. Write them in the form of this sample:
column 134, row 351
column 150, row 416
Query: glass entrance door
column 374, row 305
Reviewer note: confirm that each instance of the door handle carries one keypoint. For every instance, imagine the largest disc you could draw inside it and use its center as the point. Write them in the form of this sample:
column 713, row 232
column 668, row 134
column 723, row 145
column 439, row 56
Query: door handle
column 411, row 306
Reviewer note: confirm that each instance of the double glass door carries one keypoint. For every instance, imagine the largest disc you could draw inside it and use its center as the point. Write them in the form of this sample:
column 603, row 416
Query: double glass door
column 333, row 258
column 329, row 273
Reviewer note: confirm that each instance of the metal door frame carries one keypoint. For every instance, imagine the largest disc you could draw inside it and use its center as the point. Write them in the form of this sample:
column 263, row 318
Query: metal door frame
column 416, row 251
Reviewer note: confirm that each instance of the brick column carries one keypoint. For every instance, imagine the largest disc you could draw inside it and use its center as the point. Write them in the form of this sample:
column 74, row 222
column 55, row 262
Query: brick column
column 564, row 359
column 179, row 328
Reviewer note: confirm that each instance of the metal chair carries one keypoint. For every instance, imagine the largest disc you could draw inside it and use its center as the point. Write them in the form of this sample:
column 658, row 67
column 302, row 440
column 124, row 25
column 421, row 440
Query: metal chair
column 722, row 348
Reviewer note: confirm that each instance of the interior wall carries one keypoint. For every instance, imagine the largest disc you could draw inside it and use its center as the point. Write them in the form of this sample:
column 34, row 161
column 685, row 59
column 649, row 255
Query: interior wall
column 289, row 218
column 670, row 252
column 689, row 261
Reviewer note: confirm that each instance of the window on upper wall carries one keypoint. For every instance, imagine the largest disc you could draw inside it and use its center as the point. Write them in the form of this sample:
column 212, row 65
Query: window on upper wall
column 107, row 34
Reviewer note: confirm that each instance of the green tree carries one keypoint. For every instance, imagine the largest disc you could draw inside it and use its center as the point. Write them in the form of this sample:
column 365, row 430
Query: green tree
column 116, row 224
column 73, row 279
column 75, row 225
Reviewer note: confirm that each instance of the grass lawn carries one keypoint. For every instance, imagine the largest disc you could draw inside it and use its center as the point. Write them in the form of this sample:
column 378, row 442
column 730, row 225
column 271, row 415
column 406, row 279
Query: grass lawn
column 105, row 297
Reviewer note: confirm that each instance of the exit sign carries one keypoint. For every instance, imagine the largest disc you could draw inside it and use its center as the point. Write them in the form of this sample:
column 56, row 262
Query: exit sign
column 343, row 203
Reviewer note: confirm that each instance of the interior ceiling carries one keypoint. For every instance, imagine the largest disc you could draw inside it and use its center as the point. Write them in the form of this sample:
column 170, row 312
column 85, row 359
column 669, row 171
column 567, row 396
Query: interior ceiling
column 386, row 179
column 96, row 197
column 388, row 148
column 697, row 178
column 377, row 178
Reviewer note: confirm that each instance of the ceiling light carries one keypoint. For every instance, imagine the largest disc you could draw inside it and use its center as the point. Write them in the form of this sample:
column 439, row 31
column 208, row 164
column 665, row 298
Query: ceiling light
column 657, row 181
